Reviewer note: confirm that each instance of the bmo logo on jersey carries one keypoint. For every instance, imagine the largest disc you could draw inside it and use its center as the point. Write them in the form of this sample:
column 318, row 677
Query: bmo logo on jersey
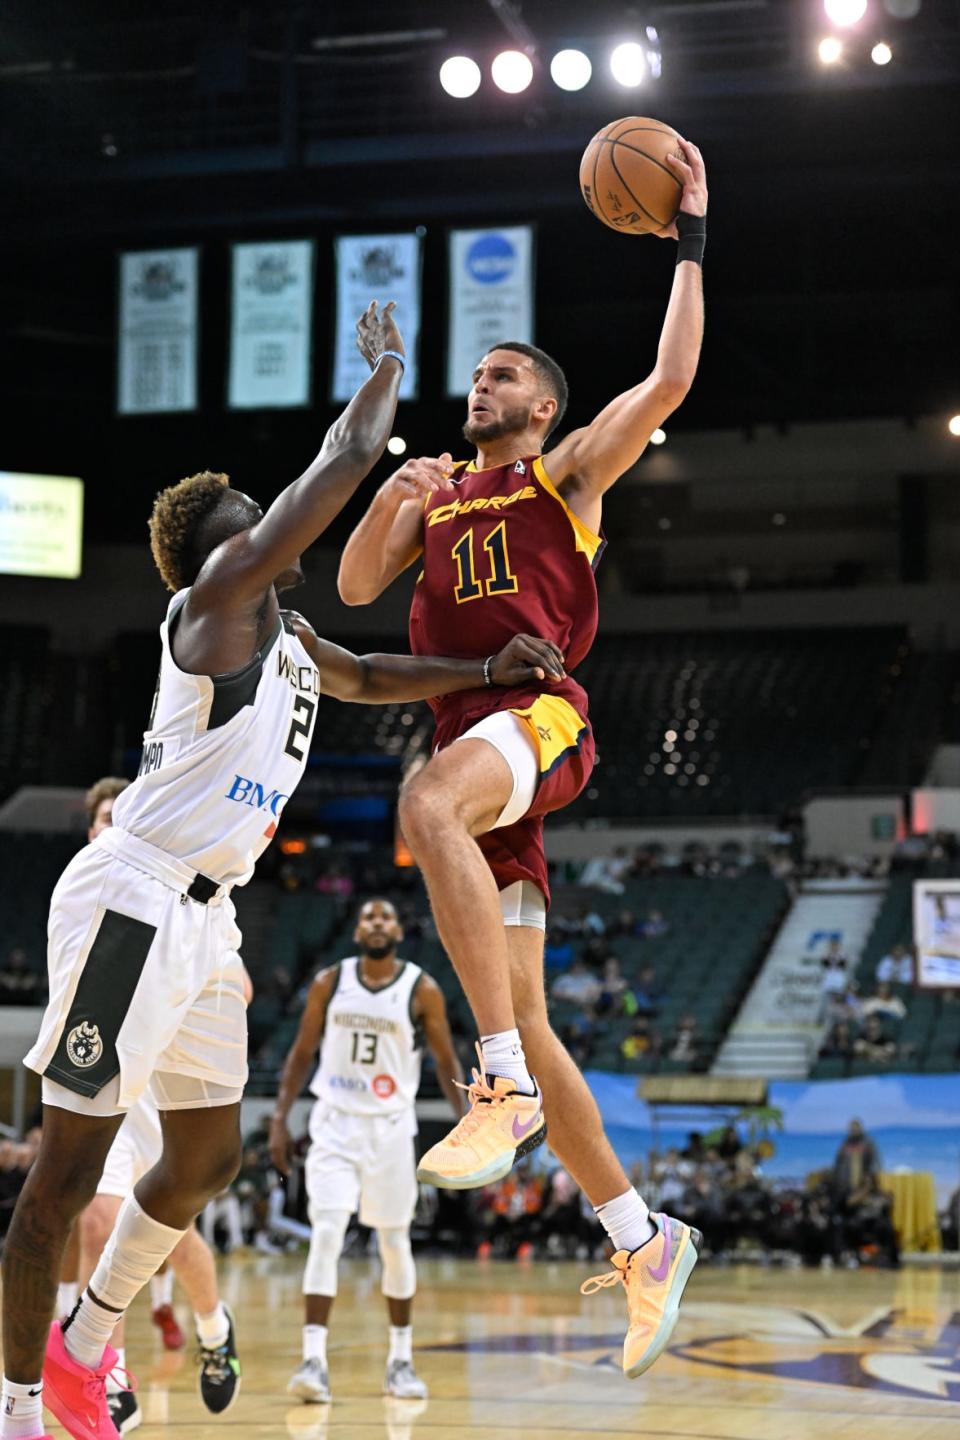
column 252, row 794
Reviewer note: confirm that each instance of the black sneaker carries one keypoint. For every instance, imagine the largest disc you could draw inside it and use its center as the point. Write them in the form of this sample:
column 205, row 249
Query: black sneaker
column 125, row 1411
column 219, row 1380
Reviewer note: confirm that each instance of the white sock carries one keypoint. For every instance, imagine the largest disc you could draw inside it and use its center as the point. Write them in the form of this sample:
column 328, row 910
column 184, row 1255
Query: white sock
column 21, row 1411
column 114, row 1386
column 161, row 1290
column 401, row 1343
column 315, row 1343
column 503, row 1055
column 213, row 1330
column 134, row 1252
column 67, row 1292
column 627, row 1221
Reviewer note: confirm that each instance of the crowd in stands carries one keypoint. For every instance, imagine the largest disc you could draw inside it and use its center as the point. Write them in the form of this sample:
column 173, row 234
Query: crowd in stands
column 868, row 1027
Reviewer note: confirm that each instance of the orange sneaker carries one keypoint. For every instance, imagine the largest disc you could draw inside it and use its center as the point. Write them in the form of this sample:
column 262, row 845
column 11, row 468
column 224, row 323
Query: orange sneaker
column 501, row 1125
column 166, row 1322
column 654, row 1277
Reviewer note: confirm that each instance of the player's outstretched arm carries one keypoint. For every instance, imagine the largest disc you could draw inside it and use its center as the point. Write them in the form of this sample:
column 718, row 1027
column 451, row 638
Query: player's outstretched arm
column 247, row 565
column 587, row 462
column 390, row 535
column 431, row 1010
column 382, row 679
column 297, row 1065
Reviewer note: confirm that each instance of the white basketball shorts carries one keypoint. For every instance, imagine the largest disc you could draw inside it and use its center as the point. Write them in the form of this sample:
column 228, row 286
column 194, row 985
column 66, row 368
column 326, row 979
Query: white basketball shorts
column 363, row 1163
column 135, row 1150
column 146, row 986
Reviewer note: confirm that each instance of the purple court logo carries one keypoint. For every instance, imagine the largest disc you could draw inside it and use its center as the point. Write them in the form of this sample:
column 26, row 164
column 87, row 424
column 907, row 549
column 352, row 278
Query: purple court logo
column 491, row 259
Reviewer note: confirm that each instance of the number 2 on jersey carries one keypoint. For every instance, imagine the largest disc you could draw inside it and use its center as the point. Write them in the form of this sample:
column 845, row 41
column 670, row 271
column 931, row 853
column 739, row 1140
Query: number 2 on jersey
column 501, row 580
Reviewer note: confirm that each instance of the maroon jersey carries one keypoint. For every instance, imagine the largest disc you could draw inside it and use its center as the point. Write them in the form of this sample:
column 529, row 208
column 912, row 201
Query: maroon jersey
column 504, row 555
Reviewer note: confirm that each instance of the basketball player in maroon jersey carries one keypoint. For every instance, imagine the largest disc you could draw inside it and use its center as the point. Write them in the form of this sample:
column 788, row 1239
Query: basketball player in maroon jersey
column 511, row 541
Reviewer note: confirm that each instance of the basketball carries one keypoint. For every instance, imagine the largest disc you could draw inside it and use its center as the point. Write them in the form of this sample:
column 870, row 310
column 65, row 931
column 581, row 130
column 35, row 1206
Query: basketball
column 625, row 179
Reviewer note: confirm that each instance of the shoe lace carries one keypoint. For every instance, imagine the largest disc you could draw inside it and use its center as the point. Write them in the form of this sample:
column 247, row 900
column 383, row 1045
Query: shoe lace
column 94, row 1387
column 602, row 1282
column 479, row 1092
column 214, row 1363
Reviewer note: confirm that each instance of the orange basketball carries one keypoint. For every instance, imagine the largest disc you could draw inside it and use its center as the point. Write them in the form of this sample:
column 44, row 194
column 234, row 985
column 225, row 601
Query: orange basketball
column 625, row 178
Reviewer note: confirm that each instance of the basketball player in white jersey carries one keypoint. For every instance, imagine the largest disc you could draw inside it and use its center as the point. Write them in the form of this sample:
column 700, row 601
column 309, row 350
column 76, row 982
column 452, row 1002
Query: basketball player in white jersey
column 136, row 1149
column 367, row 1015
column 146, row 986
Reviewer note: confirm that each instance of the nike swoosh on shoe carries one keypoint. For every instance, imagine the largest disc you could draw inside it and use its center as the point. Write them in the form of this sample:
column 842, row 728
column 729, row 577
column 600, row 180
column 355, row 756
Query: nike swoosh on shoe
column 520, row 1131
column 661, row 1271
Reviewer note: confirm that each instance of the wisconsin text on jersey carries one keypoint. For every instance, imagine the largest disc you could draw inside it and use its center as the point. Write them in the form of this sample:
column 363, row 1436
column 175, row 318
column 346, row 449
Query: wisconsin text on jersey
column 354, row 1021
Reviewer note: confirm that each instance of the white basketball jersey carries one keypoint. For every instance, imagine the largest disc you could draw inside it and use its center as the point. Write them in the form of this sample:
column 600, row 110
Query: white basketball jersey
column 370, row 1053
column 223, row 755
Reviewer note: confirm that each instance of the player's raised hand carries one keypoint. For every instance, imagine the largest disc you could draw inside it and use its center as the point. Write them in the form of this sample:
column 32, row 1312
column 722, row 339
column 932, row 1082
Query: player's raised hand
column 692, row 175
column 527, row 658
column 424, row 476
column 281, row 1145
column 378, row 331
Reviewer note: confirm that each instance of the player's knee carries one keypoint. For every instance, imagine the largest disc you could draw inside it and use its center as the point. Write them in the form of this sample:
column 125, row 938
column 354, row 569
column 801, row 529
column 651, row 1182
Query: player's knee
column 96, row 1224
column 65, row 1185
column 399, row 1281
column 327, row 1231
column 424, row 808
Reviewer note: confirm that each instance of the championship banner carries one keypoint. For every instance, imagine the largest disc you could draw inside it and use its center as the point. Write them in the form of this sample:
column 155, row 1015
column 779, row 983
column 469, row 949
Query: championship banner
column 376, row 267
column 157, row 365
column 271, row 325
column 491, row 296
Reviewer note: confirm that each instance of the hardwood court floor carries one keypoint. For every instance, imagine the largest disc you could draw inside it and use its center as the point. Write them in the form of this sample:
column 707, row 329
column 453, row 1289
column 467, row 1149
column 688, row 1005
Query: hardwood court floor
column 514, row 1350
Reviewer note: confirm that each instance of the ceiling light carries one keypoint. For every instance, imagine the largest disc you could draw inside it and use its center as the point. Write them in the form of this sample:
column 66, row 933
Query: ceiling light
column 570, row 69
column 397, row 445
column 881, row 54
column 658, row 436
column 845, row 12
column 460, row 77
column 628, row 64
column 830, row 50
column 512, row 71
column 953, row 424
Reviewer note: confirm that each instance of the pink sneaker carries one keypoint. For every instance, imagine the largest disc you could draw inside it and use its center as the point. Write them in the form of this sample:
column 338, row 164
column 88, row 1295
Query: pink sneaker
column 76, row 1395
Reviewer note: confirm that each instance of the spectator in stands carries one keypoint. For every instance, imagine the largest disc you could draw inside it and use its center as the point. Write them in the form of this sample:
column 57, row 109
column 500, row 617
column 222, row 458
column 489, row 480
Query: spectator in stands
column 558, row 952
column 834, row 980
column 613, row 988
column 19, row 984
column 729, row 1145
column 874, row 1042
column 684, row 1045
column 607, row 872
column 647, row 995
column 884, row 1002
column 642, row 1040
column 839, row 1042
column 625, row 924
column 703, row 1206
column 654, row 925
column 856, row 1163
column 896, row 967
column 579, row 985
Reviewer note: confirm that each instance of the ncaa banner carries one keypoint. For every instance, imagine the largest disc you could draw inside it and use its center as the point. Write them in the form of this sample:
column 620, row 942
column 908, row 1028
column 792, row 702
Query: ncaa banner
column 157, row 349
column 376, row 267
column 271, row 325
column 491, row 296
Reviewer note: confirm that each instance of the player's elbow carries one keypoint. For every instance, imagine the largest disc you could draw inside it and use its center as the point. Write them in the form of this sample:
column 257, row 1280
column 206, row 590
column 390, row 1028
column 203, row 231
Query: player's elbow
column 673, row 386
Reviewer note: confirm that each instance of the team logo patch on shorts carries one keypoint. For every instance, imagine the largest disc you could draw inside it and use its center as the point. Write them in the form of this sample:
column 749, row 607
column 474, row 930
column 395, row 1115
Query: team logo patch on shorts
column 84, row 1045
column 383, row 1086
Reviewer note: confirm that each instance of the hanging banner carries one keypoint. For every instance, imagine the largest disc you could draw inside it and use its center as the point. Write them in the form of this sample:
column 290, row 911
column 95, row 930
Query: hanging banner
column 157, row 368
column 271, row 325
column 491, row 296
column 376, row 267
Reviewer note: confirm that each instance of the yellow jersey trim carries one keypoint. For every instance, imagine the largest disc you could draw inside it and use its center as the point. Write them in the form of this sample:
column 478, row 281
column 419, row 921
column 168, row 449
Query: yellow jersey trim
column 589, row 543
column 556, row 728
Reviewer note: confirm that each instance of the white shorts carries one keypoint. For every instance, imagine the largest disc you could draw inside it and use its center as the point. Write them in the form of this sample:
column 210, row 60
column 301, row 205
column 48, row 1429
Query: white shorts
column 143, row 982
column 520, row 903
column 135, row 1150
column 364, row 1164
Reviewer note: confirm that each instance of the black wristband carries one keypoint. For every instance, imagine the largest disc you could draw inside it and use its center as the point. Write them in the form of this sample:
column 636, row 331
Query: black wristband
column 692, row 230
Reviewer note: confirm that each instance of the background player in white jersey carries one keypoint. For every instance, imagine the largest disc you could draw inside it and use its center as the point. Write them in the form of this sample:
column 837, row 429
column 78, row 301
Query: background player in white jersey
column 136, row 1149
column 367, row 1014
column 146, row 987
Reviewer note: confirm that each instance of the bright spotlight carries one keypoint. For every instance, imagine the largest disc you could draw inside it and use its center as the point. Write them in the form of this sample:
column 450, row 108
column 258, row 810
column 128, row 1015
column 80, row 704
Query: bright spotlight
column 830, row 50
column 570, row 69
column 881, row 54
column 512, row 71
column 845, row 12
column 397, row 445
column 953, row 424
column 658, row 436
column 629, row 64
column 460, row 76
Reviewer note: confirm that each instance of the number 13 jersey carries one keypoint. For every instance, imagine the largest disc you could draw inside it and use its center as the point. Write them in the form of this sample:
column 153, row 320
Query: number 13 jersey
column 223, row 755
column 370, row 1053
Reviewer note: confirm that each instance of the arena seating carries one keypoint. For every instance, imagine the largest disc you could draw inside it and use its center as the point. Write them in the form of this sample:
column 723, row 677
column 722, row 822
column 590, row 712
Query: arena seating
column 25, row 704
